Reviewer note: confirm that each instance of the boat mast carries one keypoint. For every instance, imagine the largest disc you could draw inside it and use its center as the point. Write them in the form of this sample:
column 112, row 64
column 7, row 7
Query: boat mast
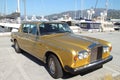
column 96, row 4
column 5, row 9
column 106, row 5
column 75, row 9
column 18, row 11
column 81, row 11
column 18, row 6
column 25, row 10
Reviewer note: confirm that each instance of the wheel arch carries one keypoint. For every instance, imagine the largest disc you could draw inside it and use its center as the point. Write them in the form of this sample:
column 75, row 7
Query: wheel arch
column 53, row 53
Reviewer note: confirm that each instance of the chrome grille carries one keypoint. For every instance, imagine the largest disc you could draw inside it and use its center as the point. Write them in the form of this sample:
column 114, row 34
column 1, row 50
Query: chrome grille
column 96, row 53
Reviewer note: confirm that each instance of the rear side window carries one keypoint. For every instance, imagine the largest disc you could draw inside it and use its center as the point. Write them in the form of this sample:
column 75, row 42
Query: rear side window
column 30, row 28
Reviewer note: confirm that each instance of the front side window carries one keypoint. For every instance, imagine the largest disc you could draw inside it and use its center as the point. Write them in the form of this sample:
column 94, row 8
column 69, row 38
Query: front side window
column 33, row 29
column 25, row 28
column 50, row 28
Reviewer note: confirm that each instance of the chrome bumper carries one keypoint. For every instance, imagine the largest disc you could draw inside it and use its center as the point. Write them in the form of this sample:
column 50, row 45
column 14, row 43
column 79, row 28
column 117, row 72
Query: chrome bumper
column 89, row 66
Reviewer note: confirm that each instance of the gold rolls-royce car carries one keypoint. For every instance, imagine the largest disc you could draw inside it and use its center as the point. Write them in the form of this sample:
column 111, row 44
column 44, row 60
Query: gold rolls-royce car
column 56, row 45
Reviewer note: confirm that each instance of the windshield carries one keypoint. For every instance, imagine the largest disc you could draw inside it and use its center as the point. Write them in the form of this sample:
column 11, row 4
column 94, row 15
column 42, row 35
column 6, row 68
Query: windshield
column 50, row 28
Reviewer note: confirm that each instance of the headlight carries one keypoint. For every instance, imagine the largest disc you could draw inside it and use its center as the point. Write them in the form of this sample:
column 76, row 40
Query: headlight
column 105, row 49
column 83, row 54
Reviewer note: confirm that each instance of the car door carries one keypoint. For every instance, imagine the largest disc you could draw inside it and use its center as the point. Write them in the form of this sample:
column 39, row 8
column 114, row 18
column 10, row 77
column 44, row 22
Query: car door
column 23, row 36
column 38, row 47
column 32, row 38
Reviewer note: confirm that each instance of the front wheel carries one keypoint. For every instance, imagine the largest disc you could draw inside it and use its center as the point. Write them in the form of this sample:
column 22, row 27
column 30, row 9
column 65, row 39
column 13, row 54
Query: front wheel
column 54, row 67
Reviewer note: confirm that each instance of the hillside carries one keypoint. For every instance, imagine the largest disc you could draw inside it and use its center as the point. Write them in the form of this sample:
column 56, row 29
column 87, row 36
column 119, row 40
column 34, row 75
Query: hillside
column 112, row 13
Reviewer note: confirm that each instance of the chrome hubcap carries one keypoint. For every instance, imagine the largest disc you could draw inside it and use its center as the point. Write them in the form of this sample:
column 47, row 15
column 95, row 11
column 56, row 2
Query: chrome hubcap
column 52, row 66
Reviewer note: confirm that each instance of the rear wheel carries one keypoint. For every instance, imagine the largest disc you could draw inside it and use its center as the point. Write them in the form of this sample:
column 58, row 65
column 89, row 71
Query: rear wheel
column 54, row 67
column 17, row 48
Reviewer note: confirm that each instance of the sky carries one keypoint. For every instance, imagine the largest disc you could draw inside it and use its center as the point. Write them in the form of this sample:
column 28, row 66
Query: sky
column 46, row 7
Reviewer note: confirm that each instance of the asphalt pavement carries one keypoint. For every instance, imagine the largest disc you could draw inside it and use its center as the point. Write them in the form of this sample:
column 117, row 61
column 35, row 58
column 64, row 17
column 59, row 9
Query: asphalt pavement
column 23, row 66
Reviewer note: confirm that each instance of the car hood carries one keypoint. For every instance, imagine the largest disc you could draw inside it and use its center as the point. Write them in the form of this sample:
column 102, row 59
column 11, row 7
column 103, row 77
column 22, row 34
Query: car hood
column 71, row 41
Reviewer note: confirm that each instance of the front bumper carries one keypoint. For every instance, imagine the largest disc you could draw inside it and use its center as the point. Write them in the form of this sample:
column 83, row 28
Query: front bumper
column 89, row 66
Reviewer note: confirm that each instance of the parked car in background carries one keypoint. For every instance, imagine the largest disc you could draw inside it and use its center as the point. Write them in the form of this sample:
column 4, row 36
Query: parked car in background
column 75, row 28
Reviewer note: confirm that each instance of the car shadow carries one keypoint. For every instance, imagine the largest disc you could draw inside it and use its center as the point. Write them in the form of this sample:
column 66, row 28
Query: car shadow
column 66, row 74
column 32, row 58
column 81, row 73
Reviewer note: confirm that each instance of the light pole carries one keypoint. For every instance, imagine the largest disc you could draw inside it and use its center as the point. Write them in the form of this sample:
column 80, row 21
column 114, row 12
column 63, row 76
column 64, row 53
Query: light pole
column 90, row 13
column 103, row 15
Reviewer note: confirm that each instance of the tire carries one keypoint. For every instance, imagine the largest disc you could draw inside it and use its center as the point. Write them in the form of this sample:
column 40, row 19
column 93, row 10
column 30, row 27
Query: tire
column 54, row 67
column 17, row 48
